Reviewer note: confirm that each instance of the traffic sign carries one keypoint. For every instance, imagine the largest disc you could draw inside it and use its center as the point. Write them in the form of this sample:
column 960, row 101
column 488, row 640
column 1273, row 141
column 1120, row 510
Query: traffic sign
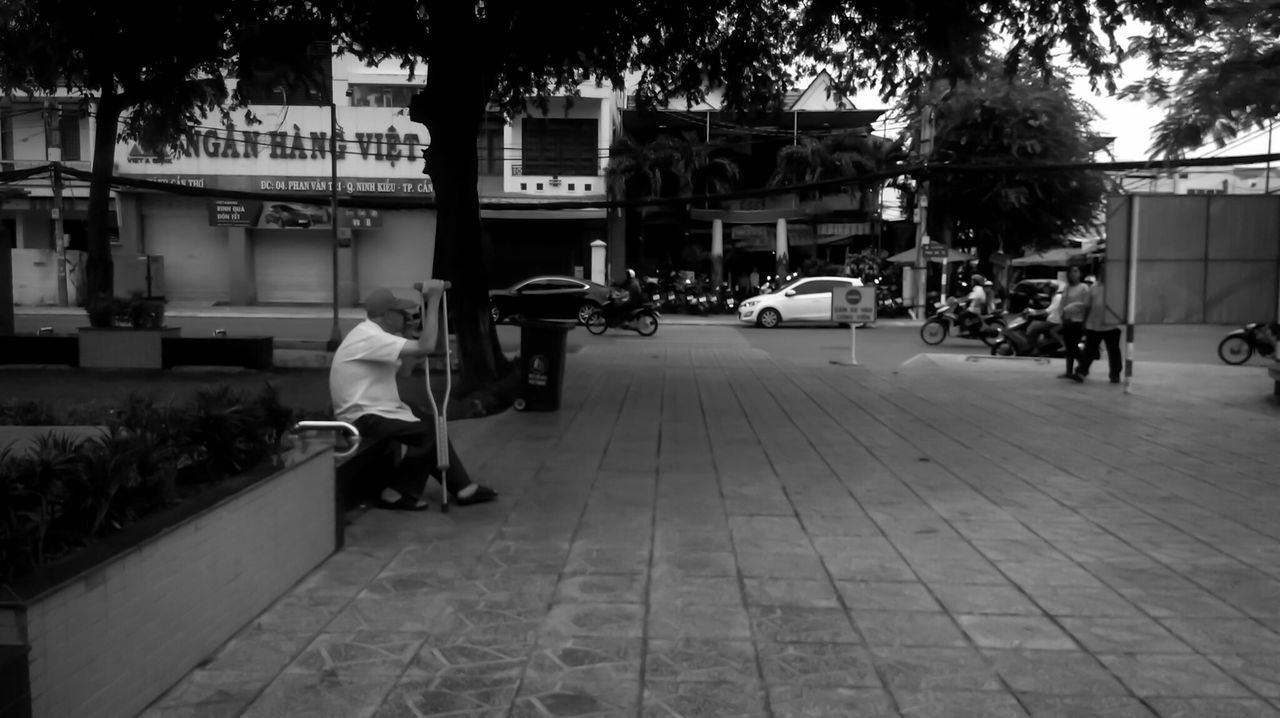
column 935, row 251
column 855, row 305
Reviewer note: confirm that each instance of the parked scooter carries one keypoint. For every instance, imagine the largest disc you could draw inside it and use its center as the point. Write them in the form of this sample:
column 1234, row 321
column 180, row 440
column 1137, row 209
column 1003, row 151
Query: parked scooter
column 947, row 319
column 1240, row 345
column 643, row 319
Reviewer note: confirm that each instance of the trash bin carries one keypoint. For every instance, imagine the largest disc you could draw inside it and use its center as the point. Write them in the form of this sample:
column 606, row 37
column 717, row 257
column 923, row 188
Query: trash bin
column 542, row 353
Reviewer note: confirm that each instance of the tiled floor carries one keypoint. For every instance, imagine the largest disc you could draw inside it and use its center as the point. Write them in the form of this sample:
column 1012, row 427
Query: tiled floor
column 703, row 531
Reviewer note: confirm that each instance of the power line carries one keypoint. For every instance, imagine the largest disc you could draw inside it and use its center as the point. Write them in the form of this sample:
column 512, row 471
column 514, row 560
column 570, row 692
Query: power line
column 428, row 202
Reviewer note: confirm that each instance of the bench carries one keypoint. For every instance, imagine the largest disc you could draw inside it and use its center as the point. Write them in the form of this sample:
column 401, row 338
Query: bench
column 371, row 458
column 1274, row 372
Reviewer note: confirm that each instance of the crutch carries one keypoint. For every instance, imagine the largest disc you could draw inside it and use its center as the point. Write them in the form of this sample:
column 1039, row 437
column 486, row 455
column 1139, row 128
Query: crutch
column 434, row 309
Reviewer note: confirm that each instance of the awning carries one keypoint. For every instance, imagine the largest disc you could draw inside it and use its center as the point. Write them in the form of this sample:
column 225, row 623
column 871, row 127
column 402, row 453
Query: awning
column 911, row 255
column 1062, row 257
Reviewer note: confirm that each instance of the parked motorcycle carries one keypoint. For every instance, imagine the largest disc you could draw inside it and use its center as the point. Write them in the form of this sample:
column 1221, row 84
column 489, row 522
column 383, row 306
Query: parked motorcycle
column 947, row 320
column 1240, row 345
column 643, row 319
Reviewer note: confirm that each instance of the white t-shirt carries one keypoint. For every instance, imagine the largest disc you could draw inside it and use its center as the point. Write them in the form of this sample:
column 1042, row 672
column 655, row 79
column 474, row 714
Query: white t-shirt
column 977, row 299
column 362, row 379
column 1055, row 309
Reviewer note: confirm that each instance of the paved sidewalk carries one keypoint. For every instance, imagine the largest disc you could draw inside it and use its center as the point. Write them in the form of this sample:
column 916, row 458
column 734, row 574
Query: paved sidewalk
column 704, row 531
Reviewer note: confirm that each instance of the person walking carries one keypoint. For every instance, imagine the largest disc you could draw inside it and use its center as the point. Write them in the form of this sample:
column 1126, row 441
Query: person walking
column 1075, row 306
column 1100, row 329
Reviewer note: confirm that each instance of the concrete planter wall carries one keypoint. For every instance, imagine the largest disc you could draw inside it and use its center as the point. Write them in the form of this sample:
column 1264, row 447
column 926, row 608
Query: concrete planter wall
column 123, row 348
column 110, row 639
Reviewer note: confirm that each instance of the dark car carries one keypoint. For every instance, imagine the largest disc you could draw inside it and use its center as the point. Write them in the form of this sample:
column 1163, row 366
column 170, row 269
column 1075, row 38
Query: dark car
column 1031, row 293
column 548, row 297
column 284, row 215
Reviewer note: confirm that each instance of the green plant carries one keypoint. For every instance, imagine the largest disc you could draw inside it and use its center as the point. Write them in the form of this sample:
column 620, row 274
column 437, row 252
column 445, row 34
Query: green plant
column 108, row 466
column 225, row 427
column 26, row 413
column 63, row 492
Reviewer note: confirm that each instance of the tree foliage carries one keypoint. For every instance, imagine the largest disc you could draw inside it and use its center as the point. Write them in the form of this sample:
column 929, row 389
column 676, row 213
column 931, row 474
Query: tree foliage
column 902, row 47
column 1225, row 77
column 141, row 82
column 843, row 154
column 993, row 120
column 672, row 166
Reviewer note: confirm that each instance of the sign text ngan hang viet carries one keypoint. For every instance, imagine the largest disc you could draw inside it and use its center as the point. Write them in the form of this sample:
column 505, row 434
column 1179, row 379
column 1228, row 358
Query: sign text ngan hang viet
column 389, row 146
column 289, row 142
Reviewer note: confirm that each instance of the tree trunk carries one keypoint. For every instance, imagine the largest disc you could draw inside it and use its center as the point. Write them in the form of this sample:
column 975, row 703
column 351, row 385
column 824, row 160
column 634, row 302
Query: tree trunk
column 455, row 105
column 99, row 278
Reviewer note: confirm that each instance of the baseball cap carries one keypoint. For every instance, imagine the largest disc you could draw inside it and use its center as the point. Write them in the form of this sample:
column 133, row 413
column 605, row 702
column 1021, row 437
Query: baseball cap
column 381, row 301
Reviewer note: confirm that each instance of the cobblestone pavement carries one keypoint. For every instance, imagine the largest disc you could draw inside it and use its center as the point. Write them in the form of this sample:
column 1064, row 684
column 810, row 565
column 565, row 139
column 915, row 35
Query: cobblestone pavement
column 705, row 531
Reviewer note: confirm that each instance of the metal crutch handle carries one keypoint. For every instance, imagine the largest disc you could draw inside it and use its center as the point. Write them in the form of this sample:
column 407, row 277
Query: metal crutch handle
column 353, row 434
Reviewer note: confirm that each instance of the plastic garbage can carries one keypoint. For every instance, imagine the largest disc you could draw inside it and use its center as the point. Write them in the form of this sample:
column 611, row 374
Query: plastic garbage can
column 542, row 354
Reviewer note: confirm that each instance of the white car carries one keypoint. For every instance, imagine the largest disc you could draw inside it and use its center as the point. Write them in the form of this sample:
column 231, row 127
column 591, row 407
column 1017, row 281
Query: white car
column 807, row 299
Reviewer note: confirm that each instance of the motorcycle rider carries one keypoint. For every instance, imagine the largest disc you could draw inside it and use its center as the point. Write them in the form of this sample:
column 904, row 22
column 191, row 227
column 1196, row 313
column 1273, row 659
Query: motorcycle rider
column 1050, row 324
column 634, row 299
column 971, row 315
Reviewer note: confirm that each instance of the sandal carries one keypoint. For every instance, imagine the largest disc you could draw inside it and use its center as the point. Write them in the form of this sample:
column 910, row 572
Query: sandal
column 482, row 494
column 404, row 503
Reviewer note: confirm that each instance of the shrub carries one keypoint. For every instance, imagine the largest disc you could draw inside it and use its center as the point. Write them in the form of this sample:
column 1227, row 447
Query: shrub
column 64, row 492
column 26, row 413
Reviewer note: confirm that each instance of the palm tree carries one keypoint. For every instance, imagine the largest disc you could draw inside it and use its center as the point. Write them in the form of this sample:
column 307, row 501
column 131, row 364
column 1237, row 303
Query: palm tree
column 669, row 166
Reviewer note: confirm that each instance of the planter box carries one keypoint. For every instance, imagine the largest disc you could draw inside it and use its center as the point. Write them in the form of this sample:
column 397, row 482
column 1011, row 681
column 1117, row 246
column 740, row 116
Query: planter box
column 121, row 348
column 39, row 349
column 108, row 638
column 248, row 352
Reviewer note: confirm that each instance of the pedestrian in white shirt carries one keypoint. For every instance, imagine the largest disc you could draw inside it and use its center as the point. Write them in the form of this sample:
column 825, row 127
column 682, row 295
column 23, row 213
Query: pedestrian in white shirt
column 362, row 385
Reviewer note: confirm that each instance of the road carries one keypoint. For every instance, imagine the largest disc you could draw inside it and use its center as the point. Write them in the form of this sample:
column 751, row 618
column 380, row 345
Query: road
column 885, row 348
column 880, row 347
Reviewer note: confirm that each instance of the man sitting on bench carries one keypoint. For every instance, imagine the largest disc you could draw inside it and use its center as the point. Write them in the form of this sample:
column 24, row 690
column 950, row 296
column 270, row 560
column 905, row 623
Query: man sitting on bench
column 362, row 385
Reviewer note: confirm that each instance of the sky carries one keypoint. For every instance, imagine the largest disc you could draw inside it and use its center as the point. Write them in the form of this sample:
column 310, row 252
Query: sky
column 1128, row 121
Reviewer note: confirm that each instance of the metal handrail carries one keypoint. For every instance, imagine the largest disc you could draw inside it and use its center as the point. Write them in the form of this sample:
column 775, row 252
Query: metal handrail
column 353, row 434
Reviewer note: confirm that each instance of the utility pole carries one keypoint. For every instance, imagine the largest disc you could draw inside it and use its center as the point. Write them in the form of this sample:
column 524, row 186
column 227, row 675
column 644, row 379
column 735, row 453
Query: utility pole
column 922, row 213
column 53, row 151
column 335, row 332
column 1267, row 188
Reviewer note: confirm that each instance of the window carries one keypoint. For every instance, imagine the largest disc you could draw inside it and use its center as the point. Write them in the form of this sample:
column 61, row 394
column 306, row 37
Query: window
column 69, row 134
column 285, row 63
column 560, row 146
column 489, row 146
column 382, row 95
column 820, row 286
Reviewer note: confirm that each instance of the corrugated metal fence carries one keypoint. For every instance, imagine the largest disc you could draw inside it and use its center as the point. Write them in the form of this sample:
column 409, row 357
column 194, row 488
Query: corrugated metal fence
column 1211, row 259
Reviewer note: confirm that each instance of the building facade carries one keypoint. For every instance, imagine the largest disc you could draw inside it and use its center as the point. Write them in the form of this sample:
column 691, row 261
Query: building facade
column 241, row 252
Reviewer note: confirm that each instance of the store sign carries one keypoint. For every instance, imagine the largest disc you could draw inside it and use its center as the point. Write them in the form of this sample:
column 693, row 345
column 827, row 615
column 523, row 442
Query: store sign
column 288, row 215
column 234, row 213
column 292, row 149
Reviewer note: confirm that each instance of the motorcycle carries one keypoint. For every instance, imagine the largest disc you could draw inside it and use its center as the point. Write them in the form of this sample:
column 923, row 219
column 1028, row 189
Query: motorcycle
column 947, row 319
column 643, row 320
column 1014, row 341
column 1240, row 345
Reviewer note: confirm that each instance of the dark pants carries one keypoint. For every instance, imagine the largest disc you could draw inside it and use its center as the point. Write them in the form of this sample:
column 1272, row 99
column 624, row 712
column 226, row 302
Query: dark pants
column 419, row 438
column 1072, row 333
column 1092, row 340
column 1038, row 330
